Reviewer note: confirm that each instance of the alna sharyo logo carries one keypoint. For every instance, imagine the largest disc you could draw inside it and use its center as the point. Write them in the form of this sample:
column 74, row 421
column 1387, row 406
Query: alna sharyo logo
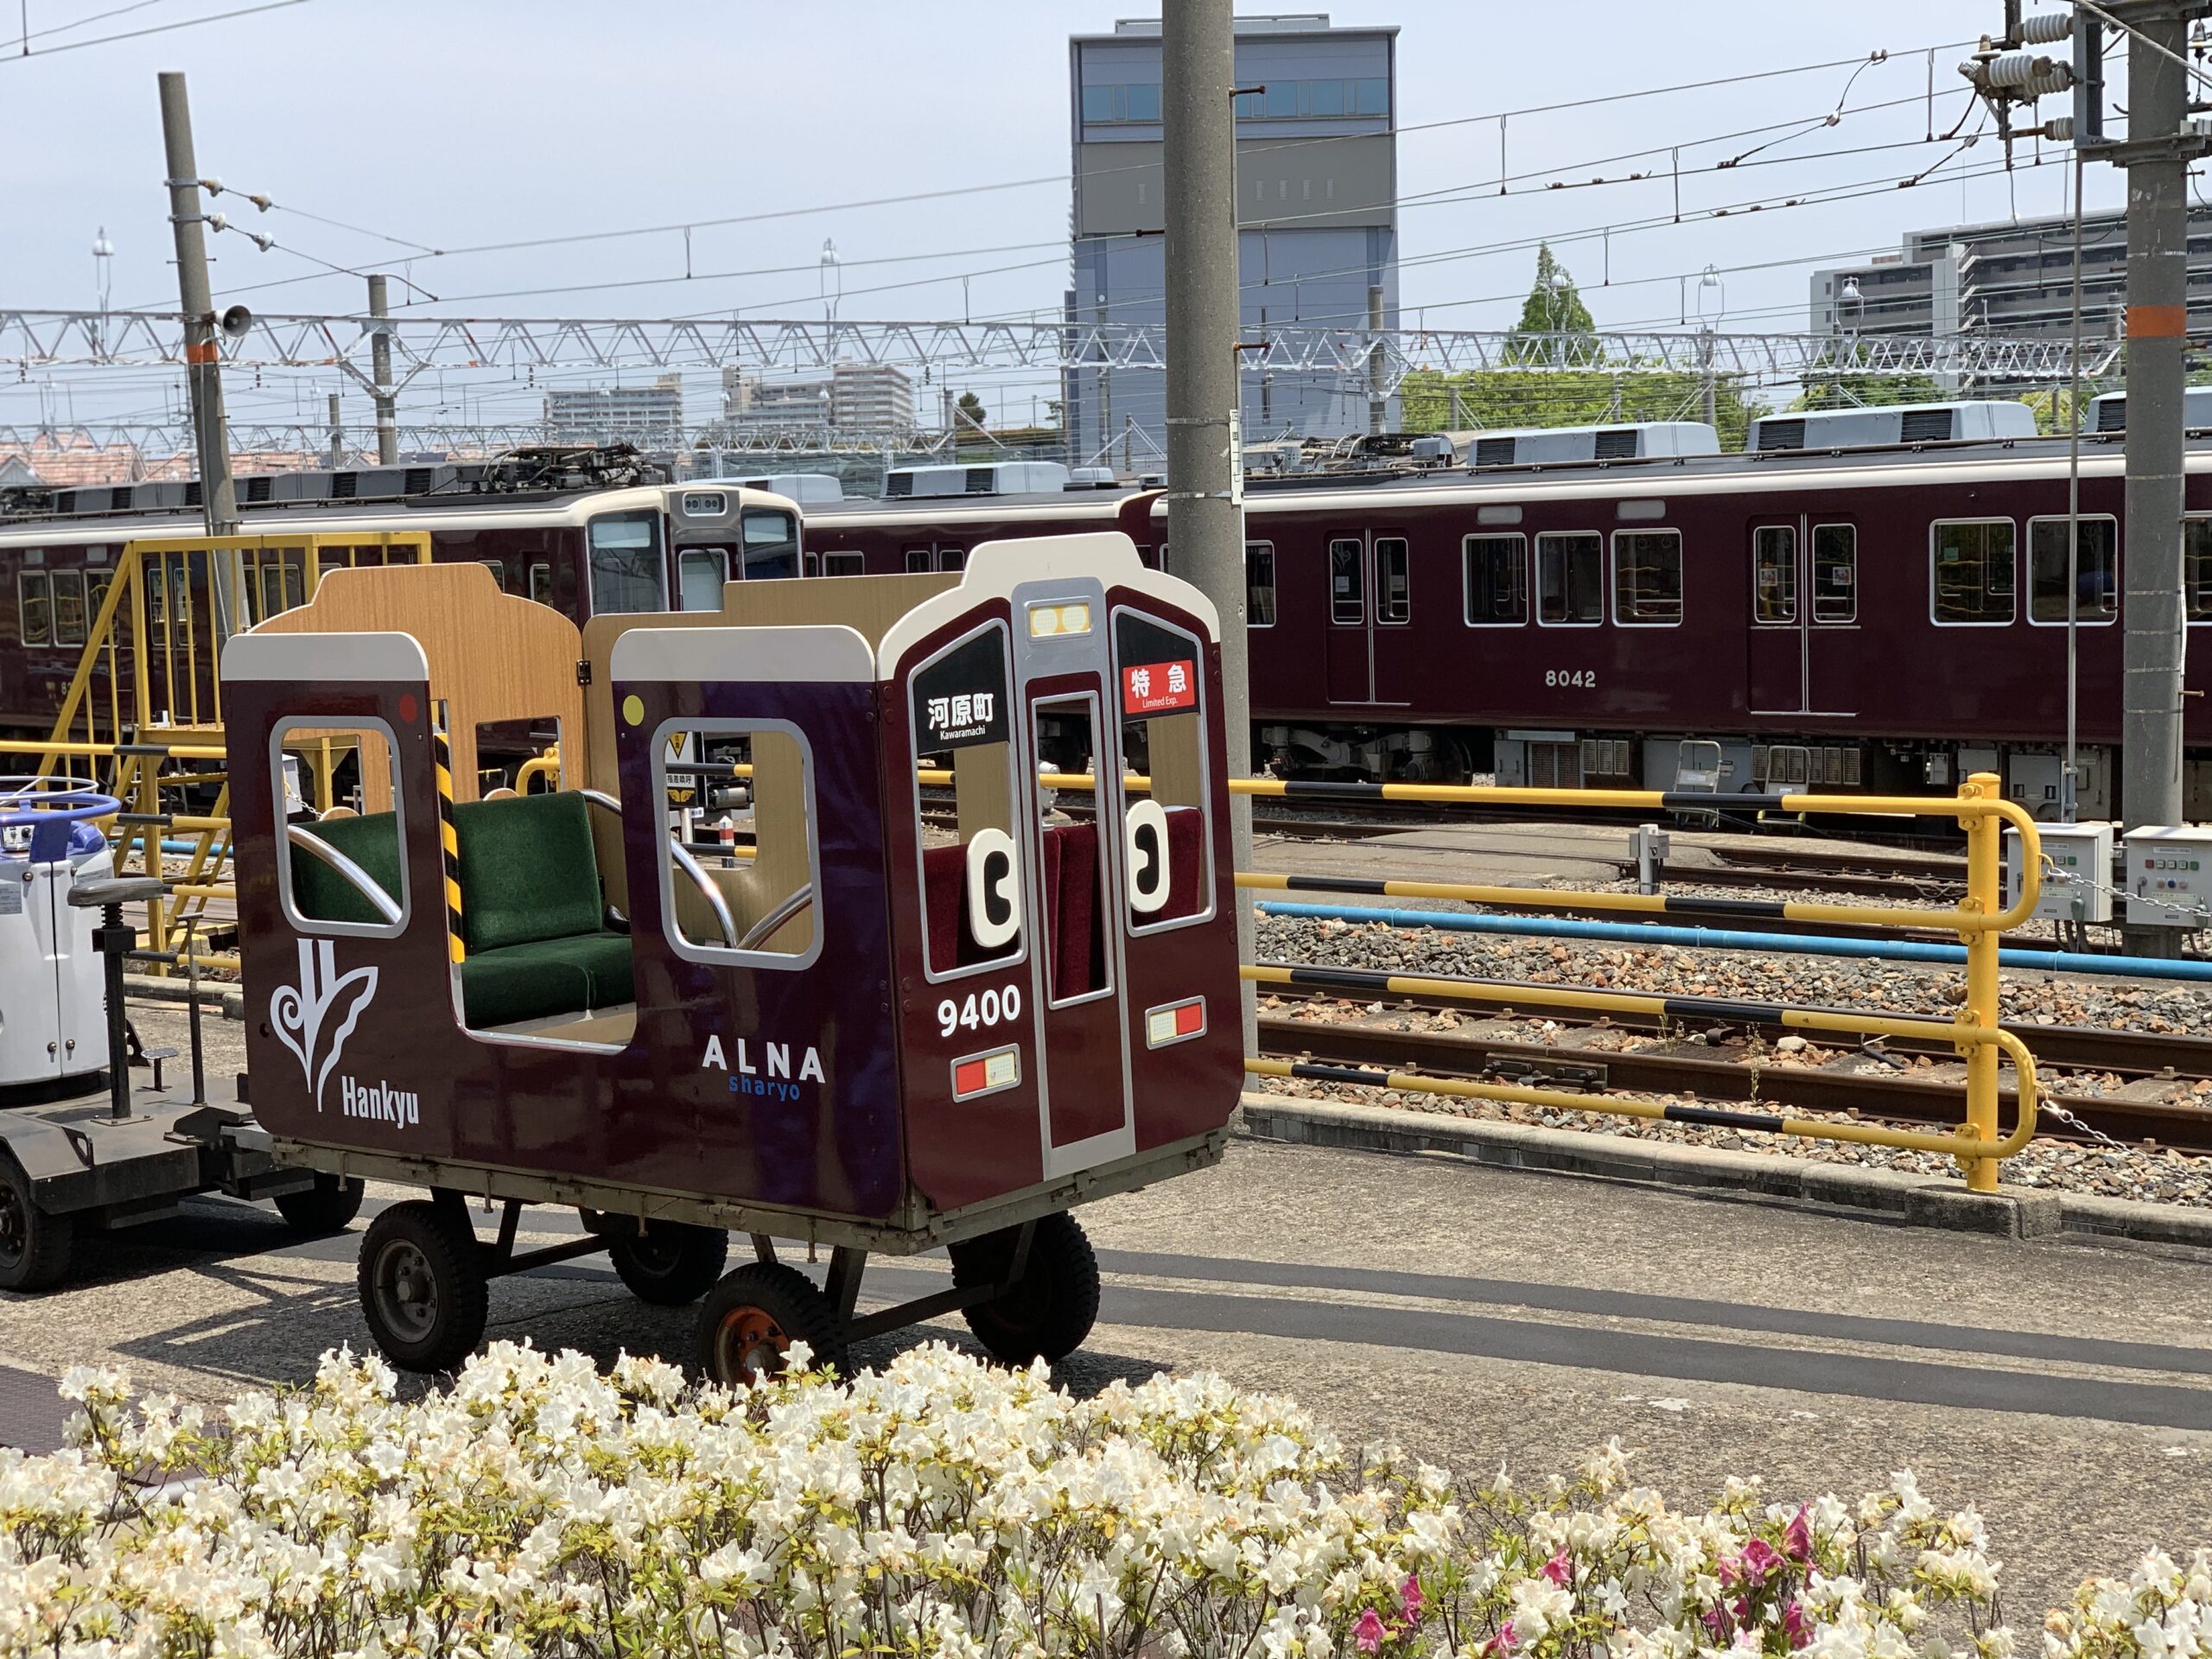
column 315, row 1017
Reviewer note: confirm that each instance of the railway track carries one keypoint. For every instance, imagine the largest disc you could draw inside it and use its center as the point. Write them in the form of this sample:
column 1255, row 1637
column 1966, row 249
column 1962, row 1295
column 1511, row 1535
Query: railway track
column 1711, row 1075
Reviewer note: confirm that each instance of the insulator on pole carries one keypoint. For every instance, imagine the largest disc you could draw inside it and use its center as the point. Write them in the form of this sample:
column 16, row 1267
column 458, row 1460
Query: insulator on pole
column 2027, row 75
column 2059, row 130
column 2046, row 28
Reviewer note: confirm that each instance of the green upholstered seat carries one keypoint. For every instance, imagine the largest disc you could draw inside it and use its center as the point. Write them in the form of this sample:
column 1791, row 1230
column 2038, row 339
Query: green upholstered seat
column 546, row 977
column 320, row 895
column 532, row 912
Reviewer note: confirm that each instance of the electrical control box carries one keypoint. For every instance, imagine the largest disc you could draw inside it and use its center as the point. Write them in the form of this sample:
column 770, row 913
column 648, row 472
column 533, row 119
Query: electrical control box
column 2170, row 876
column 2077, row 871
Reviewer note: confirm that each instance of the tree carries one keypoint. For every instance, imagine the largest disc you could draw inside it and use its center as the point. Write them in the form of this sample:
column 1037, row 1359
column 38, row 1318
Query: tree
column 970, row 412
column 1553, row 307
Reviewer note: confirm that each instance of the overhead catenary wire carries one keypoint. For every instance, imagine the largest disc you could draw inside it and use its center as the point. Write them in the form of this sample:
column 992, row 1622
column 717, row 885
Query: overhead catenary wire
column 156, row 29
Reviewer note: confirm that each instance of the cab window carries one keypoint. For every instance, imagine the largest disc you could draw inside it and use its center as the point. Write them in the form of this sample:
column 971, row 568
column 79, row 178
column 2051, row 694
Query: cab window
column 626, row 562
column 700, row 573
column 771, row 538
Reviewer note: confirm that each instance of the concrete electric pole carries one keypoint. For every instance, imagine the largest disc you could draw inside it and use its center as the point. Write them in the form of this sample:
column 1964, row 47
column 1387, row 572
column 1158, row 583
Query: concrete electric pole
column 380, row 368
column 203, row 366
column 1205, row 495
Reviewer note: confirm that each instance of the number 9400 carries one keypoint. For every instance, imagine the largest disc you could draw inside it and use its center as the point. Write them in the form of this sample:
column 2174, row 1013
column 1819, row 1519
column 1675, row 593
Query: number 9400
column 983, row 1008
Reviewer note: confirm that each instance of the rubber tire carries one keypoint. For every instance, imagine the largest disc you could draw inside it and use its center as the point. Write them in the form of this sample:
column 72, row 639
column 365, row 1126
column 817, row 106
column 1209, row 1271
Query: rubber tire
column 1048, row 1315
column 328, row 1207
column 447, row 1250
column 794, row 1312
column 673, row 1264
column 41, row 1260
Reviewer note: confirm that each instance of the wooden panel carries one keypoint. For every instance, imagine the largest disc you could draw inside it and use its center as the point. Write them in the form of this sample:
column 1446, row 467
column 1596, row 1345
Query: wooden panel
column 493, row 656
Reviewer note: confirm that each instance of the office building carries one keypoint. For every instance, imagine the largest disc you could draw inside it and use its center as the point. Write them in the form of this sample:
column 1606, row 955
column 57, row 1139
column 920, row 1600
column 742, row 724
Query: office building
column 1317, row 215
column 869, row 401
column 649, row 416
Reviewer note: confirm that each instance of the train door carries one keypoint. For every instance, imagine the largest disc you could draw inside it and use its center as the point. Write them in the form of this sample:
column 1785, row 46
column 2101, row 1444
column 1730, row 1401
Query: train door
column 1832, row 659
column 1779, row 617
column 1069, row 700
column 1349, row 648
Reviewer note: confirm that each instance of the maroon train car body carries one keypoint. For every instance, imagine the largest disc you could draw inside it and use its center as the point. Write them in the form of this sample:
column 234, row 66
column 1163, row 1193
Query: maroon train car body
column 1872, row 619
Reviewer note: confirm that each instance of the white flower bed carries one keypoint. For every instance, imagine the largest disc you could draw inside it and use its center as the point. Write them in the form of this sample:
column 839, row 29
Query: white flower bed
column 939, row 1507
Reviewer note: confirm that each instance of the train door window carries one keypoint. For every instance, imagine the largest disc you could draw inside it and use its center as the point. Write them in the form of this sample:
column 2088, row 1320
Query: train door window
column 972, row 885
column 1394, row 595
column 541, row 583
column 1259, row 584
column 34, row 607
column 1347, row 583
column 700, row 573
column 68, row 607
column 844, row 562
column 1164, row 831
column 1835, row 573
column 2096, row 572
column 951, row 559
column 1570, row 579
column 761, row 910
column 2196, row 569
column 1494, row 570
column 918, row 561
column 281, row 586
column 625, row 563
column 1647, row 577
column 345, row 873
column 1074, row 876
column 1774, row 573
column 771, row 538
column 499, row 569
column 1971, row 572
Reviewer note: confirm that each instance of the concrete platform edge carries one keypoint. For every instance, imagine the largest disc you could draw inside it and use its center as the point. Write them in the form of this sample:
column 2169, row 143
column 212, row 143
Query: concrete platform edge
column 1917, row 1200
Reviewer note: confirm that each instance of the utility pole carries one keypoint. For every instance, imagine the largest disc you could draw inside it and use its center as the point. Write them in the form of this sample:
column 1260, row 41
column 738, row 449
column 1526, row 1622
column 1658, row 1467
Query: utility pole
column 337, row 435
column 1205, row 494
column 1378, row 377
column 380, row 367
column 203, row 366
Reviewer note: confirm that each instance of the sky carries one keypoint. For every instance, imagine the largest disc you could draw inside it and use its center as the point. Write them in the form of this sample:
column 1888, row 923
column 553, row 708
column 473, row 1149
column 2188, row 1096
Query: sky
column 427, row 126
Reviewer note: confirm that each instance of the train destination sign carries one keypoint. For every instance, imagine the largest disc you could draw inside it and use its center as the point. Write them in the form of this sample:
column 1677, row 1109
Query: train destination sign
column 960, row 700
column 1153, row 687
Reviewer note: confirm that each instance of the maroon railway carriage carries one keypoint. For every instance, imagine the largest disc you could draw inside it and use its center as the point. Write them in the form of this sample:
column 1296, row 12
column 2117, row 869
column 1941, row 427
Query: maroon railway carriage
column 859, row 1029
column 1874, row 619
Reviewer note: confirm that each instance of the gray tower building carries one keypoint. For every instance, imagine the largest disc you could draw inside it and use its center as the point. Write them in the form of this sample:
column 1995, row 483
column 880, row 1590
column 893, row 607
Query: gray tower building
column 1317, row 216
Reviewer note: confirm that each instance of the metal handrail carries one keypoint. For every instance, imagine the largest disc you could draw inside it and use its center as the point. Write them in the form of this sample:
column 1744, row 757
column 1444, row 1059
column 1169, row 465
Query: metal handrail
column 765, row 928
column 363, row 882
column 689, row 866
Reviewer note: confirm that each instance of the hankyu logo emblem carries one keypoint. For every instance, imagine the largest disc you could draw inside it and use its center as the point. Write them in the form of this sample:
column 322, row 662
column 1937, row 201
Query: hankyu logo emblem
column 315, row 1017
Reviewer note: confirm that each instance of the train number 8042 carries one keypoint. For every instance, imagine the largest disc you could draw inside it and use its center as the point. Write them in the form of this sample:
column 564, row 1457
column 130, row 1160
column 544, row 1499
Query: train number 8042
column 1580, row 679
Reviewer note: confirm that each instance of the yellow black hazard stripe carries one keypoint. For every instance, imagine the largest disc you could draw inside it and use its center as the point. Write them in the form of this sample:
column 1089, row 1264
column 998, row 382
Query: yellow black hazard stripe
column 448, row 838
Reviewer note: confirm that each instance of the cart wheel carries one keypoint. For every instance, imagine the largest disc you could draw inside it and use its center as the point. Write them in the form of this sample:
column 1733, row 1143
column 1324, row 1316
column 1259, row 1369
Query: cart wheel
column 1051, row 1309
column 34, row 1243
column 328, row 1207
column 671, row 1263
column 755, row 1314
column 422, row 1286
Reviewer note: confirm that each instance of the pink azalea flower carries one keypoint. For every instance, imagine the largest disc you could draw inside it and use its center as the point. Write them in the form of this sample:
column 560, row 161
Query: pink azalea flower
column 1559, row 1570
column 1716, row 1620
column 1797, row 1539
column 1793, row 1621
column 1409, row 1594
column 1759, row 1562
column 1367, row 1635
column 1731, row 1569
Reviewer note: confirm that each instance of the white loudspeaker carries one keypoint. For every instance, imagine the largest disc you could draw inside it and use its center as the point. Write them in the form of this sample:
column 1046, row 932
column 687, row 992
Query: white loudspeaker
column 994, row 889
column 1144, row 830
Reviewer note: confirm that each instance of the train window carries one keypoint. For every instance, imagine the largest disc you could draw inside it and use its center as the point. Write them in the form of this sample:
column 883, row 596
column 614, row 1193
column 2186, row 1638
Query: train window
column 626, row 562
column 97, row 583
column 1571, row 579
column 1647, row 577
column 918, row 561
column 1259, row 584
column 2196, row 569
column 812, row 565
column 951, row 559
column 771, row 538
column 281, row 587
column 154, row 572
column 34, row 607
column 541, row 583
column 1773, row 574
column 700, row 573
column 320, row 882
column 499, row 569
column 68, row 607
column 2096, row 572
column 765, row 909
column 1163, row 735
column 1835, row 573
column 1347, row 583
column 1971, row 572
column 844, row 562
column 1394, row 598
column 972, row 883
column 1494, row 570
